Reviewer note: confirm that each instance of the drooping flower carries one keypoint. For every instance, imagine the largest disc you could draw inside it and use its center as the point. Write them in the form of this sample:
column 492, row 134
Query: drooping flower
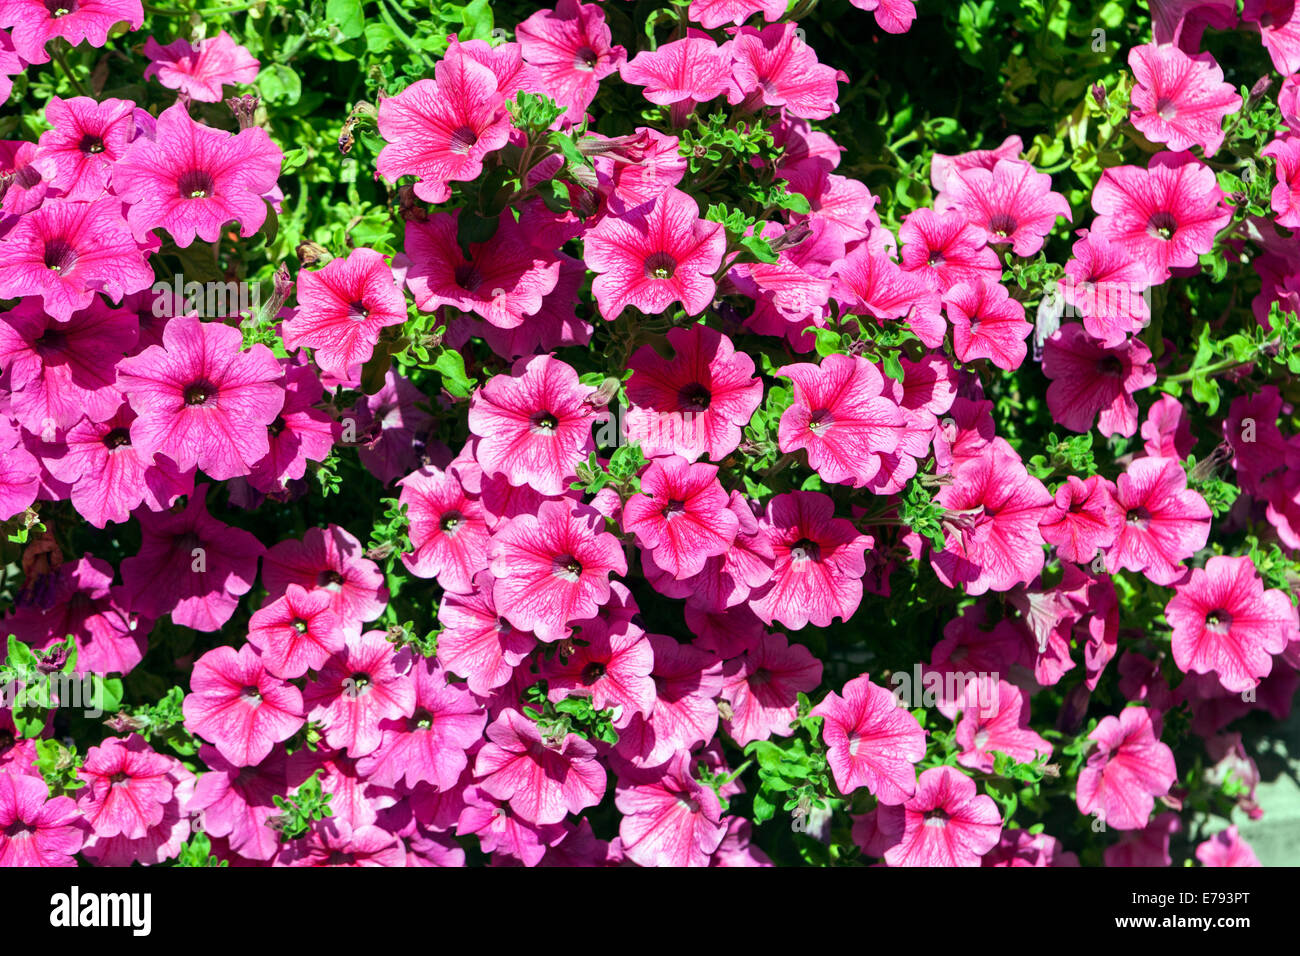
column 302, row 432
column 571, row 47
column 128, row 787
column 202, row 401
column 65, row 252
column 390, row 428
column 762, row 688
column 1164, row 520
column 873, row 284
column 1278, row 23
column 297, row 632
column 238, row 705
column 945, row 823
column 1180, row 100
column 1088, row 378
column 819, row 563
column 775, row 67
column 448, row 529
column 695, row 403
column 1082, row 519
column 542, row 778
column 359, row 687
column 191, row 180
column 20, row 472
column 190, row 565
column 1012, row 203
column 534, row 425
column 656, row 254
column 36, row 22
column 987, row 323
column 501, row 831
column 671, row 820
column 35, row 828
column 872, row 741
column 840, row 416
column 681, row 515
column 1127, row 771
column 1022, row 848
column 1184, row 21
column 200, row 70
column 1225, row 621
column 336, row 843
column 77, row 155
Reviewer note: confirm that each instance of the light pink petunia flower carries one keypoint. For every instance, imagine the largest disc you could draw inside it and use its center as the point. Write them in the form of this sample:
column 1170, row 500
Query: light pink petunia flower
column 1082, row 519
column 366, row 683
column 1127, row 771
column 35, row 828
column 200, row 70
column 128, row 787
column 872, row 741
column 77, row 155
column 543, row 778
column 1012, row 203
column 681, row 515
column 775, row 67
column 297, row 632
column 673, row 820
column 238, row 705
column 987, row 323
column 1164, row 521
column 1180, row 100
column 945, row 823
column 762, row 688
column 571, row 48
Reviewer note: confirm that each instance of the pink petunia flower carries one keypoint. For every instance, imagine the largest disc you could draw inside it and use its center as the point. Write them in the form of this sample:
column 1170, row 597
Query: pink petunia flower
column 681, row 515
column 1225, row 621
column 893, row 16
column 237, row 802
column 762, row 688
column 775, row 67
column 475, row 643
column 873, row 284
column 1285, row 198
column 77, row 156
column 1259, row 449
column 542, row 778
column 297, row 632
column 190, row 565
column 202, row 401
column 872, row 741
column 711, row 14
column 1278, row 24
column 20, row 472
column 1107, row 288
column 1127, row 771
column 35, row 828
column 1167, row 433
column 302, row 432
column 1227, row 848
column 200, row 70
column 11, row 64
column 1180, row 100
column 1082, row 519
column 239, row 706
column 331, row 559
column 987, row 323
column 818, row 566
column 612, row 668
column 191, row 180
column 942, row 166
column 684, row 713
column 944, row 249
column 945, row 823
column 680, row 74
column 1164, row 521
column 336, row 843
column 995, row 718
column 1012, row 203
column 671, row 821
column 448, row 529
column 1184, row 21
column 1022, row 848
column 366, row 683
column 1088, row 378
column 35, row 23
column 128, row 787
column 571, row 47
column 502, row 832
column 390, row 428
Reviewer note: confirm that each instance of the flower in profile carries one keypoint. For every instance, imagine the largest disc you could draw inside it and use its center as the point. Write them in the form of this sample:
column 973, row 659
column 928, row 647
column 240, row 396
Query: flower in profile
column 475, row 643
column 762, row 687
column 87, row 138
column 1180, row 100
column 1184, row 21
column 534, row 425
column 302, row 432
column 995, row 718
column 775, row 67
column 238, row 802
column 1127, row 771
column 670, row 819
column 681, row 73
column 542, row 778
column 1227, row 848
column 11, row 64
column 987, row 323
column 840, row 417
column 1285, row 198
column 191, row 180
column 20, row 472
column 818, row 566
column 128, row 787
column 27, row 190
column 1012, row 203
column 711, row 14
column 873, row 284
column 201, row 400
column 359, row 687
column 892, row 16
column 200, row 70
column 449, row 529
column 342, row 309
column 505, row 279
column 872, row 741
column 1278, row 23
column 442, row 129
column 942, row 166
column 238, row 705
column 1167, row 433
column 297, row 632
column 37, row 22
column 35, row 828
column 65, row 252
column 1082, row 519
column 1164, row 520
column 190, row 565
column 656, row 254
column 333, row 560
column 944, row 249
column 1088, row 378
column 571, row 48
column 1022, row 848
column 695, row 403
column 1226, row 622
column 684, row 714
column 1164, row 216
column 681, row 515
column 945, row 823
column 1107, row 288
column 390, row 427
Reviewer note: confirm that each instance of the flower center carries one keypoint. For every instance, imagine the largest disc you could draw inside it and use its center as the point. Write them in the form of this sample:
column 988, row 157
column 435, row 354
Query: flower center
column 1138, row 517
column 59, row 255
column 358, row 312
column 585, row 59
column 360, row 682
column 200, row 393
column 544, row 423
column 329, row 578
column 1166, row 108
column 196, row 184
column 820, row 420
column 660, row 265
column 566, row 567
column 17, row 829
column 251, row 694
column 61, row 8
column 938, row 817
column 805, row 549
column 1110, row 365
column 421, row 720
column 468, row 277
column 463, row 140
column 935, row 258
column 117, row 437
column 1002, row 225
column 673, row 508
column 1218, row 621
column 694, row 397
column 593, row 672
column 1162, row 225
column 451, row 521
column 760, row 677
column 300, row 626
column 92, row 144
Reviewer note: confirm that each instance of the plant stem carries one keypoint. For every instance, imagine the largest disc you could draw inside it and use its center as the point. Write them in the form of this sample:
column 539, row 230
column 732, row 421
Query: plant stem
column 61, row 59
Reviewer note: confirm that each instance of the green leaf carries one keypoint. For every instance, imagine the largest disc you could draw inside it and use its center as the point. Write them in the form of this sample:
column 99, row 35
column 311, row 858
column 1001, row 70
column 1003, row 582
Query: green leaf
column 451, row 366
column 347, row 15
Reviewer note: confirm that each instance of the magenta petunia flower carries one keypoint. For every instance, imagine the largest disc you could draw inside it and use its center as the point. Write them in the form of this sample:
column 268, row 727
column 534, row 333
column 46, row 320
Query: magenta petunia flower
column 1012, row 203
column 336, row 843
column 1180, row 100
column 1259, row 450
column 681, row 515
column 62, row 371
column 873, row 284
column 1227, row 848
column 35, row 828
column 1022, row 848
column 128, row 787
column 673, row 820
column 1127, row 771
column 448, row 529
column 77, row 156
column 302, row 432
column 200, row 70
column 429, row 746
column 943, row 166
column 995, row 718
column 944, row 249
column 711, row 14
column 505, row 279
column 442, row 129
column 542, row 778
column 1184, row 21
column 695, row 403
column 331, row 559
column 37, row 22
column 366, row 683
column 65, row 252
column 654, row 255
column 238, row 705
column 818, row 566
column 1108, row 289
column 1164, row 216
column 342, row 309
column 1082, row 519
column 237, row 802
column 1088, row 378
column 1225, row 621
column 775, row 67
column 612, row 668
column 1278, row 23
column 201, row 400
column 840, row 417
column 1167, row 433
column 502, row 832
column 762, row 688
column 20, row 472
column 945, row 823
column 684, row 714
column 872, row 741
column 1285, row 198
column 1164, row 521
column 681, row 73
column 190, row 565
column 390, row 428
column 11, row 64
column 475, row 643
column 297, row 632
column 534, row 425
column 893, row 16
column 994, row 506
column 26, row 190
column 571, row 48
column 987, row 323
